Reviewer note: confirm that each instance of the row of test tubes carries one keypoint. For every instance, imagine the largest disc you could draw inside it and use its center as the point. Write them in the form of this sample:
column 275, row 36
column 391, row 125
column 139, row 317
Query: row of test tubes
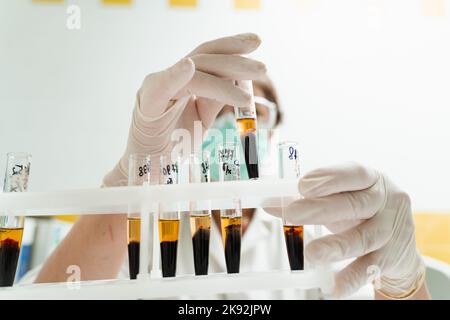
column 140, row 172
column 198, row 168
column 198, row 171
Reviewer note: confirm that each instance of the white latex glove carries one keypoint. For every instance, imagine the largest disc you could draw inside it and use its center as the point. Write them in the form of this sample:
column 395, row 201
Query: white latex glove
column 194, row 89
column 372, row 221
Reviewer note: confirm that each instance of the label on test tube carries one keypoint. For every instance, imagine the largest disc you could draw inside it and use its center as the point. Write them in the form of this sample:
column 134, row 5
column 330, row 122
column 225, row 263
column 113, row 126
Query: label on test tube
column 205, row 170
column 169, row 172
column 11, row 227
column 288, row 161
column 229, row 163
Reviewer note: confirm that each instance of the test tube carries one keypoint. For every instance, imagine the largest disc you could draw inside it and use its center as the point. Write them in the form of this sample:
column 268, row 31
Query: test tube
column 139, row 167
column 231, row 219
column 246, row 123
column 169, row 220
column 200, row 220
column 289, row 168
column 11, row 227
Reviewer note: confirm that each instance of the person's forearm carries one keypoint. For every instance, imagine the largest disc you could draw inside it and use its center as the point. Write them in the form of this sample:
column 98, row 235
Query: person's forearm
column 96, row 244
column 421, row 294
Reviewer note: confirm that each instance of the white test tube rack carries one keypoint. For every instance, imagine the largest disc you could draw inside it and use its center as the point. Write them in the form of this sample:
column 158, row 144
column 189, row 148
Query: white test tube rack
column 146, row 199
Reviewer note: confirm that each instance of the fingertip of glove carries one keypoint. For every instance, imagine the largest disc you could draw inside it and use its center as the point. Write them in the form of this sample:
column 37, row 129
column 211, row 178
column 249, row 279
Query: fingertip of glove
column 186, row 65
column 250, row 39
column 249, row 36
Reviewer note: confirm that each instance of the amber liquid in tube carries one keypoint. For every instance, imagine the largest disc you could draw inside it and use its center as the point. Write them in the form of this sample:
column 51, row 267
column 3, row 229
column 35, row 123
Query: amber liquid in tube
column 294, row 244
column 231, row 237
column 200, row 230
column 134, row 241
column 247, row 132
column 168, row 238
column 10, row 242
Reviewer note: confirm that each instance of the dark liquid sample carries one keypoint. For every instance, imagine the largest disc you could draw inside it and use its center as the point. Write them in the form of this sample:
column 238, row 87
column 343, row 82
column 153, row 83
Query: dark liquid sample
column 169, row 258
column 168, row 237
column 134, row 238
column 200, row 230
column 133, row 258
column 247, row 132
column 10, row 241
column 231, row 236
column 294, row 244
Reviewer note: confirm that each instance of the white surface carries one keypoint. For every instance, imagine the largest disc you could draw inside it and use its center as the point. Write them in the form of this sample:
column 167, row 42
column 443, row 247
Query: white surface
column 164, row 288
column 359, row 80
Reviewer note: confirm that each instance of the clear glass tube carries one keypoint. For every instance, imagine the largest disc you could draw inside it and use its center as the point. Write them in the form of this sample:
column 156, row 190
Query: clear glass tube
column 139, row 168
column 200, row 220
column 11, row 227
column 246, row 123
column 169, row 220
column 231, row 219
column 289, row 168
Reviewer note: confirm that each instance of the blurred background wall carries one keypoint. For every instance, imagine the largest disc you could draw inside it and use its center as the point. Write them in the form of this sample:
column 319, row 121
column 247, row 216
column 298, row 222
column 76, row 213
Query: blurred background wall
column 362, row 80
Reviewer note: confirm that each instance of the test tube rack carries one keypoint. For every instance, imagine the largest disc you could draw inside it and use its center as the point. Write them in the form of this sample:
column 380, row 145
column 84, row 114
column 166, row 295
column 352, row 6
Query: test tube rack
column 146, row 199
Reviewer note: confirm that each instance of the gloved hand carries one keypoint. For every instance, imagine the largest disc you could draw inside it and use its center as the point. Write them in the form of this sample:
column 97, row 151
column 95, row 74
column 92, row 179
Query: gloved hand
column 194, row 89
column 371, row 220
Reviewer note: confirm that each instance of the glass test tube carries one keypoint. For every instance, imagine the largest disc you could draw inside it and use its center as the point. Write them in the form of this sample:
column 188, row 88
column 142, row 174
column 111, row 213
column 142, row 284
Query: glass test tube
column 169, row 220
column 231, row 219
column 246, row 123
column 200, row 220
column 11, row 227
column 289, row 168
column 139, row 167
